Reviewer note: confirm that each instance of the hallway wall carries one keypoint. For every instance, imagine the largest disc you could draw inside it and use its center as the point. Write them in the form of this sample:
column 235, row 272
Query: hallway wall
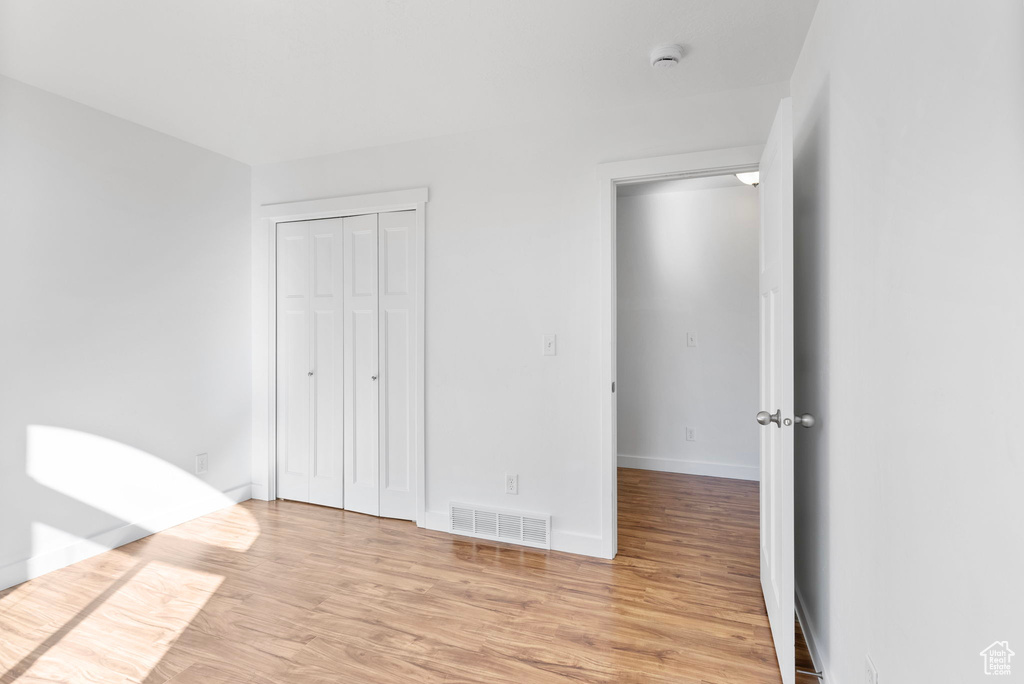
column 687, row 263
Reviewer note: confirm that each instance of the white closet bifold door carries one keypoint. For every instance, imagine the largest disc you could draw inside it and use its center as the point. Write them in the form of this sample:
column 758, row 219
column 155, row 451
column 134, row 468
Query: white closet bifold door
column 397, row 322
column 326, row 483
column 362, row 454
column 348, row 362
column 309, row 367
column 294, row 393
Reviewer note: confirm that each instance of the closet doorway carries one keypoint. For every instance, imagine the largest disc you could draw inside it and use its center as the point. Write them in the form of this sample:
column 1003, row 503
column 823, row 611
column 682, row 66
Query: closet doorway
column 348, row 362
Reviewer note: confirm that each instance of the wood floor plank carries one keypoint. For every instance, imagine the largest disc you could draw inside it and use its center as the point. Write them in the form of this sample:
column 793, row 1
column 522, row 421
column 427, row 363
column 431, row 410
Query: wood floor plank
column 286, row 592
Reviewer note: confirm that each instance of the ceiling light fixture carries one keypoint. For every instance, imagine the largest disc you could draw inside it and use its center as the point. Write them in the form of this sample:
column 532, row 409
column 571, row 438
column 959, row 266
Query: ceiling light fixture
column 752, row 178
column 665, row 56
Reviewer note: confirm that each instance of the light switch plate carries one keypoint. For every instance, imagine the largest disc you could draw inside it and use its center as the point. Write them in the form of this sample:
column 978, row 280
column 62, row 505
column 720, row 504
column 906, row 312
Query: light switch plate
column 550, row 345
column 691, row 339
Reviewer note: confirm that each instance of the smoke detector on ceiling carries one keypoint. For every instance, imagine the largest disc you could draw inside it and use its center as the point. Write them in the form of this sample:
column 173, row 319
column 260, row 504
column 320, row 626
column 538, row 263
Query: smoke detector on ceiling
column 665, row 56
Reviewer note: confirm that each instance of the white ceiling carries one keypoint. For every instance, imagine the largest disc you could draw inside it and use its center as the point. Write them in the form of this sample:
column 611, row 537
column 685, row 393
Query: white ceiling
column 270, row 80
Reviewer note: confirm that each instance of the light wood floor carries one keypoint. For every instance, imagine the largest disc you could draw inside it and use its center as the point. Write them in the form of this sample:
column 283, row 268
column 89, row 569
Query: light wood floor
column 283, row 592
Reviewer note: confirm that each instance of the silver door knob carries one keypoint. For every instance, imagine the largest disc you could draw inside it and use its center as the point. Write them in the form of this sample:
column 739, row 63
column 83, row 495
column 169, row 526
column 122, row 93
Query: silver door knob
column 373, row 377
column 765, row 418
column 310, row 373
column 805, row 419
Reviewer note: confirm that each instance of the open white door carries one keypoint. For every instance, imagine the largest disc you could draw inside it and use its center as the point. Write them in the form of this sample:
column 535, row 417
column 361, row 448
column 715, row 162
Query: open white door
column 776, row 416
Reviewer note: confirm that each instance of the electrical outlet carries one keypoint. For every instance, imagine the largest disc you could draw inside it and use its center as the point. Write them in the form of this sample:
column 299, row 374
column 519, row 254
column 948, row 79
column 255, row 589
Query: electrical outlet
column 870, row 673
column 691, row 434
column 691, row 339
column 202, row 464
column 550, row 345
column 511, row 484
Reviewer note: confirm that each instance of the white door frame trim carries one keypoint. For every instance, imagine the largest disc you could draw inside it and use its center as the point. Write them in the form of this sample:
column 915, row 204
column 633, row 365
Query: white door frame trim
column 265, row 220
column 611, row 175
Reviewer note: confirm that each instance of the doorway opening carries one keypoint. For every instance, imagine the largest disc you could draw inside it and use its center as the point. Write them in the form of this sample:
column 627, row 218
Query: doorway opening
column 661, row 329
column 687, row 327
column 637, row 178
column 687, row 383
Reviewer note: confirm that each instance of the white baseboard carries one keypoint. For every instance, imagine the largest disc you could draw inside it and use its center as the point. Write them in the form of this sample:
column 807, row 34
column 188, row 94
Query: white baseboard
column 574, row 542
column 810, row 636
column 671, row 465
column 30, row 568
column 437, row 521
column 569, row 542
column 259, row 491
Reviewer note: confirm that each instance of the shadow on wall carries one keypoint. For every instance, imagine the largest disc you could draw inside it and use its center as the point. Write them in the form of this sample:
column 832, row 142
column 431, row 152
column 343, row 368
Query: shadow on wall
column 811, row 331
column 74, row 476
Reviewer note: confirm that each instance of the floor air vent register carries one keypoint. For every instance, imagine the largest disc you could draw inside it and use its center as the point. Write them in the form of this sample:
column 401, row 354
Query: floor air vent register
column 515, row 527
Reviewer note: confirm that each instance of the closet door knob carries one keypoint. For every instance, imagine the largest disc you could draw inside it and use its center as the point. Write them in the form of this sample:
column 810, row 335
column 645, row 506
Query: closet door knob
column 374, row 377
column 310, row 373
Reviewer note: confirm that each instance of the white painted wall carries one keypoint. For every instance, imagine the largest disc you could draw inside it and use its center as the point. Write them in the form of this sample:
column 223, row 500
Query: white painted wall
column 512, row 254
column 124, row 331
column 687, row 262
column 909, row 162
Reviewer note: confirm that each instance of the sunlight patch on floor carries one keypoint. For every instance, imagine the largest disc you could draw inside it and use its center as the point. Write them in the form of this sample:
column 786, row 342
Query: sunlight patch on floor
column 128, row 623
column 236, row 529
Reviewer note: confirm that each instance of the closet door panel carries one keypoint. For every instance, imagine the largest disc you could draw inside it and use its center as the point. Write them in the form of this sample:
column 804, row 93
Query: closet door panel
column 395, row 433
column 293, row 362
column 361, row 372
column 326, row 474
column 397, row 364
column 364, row 418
